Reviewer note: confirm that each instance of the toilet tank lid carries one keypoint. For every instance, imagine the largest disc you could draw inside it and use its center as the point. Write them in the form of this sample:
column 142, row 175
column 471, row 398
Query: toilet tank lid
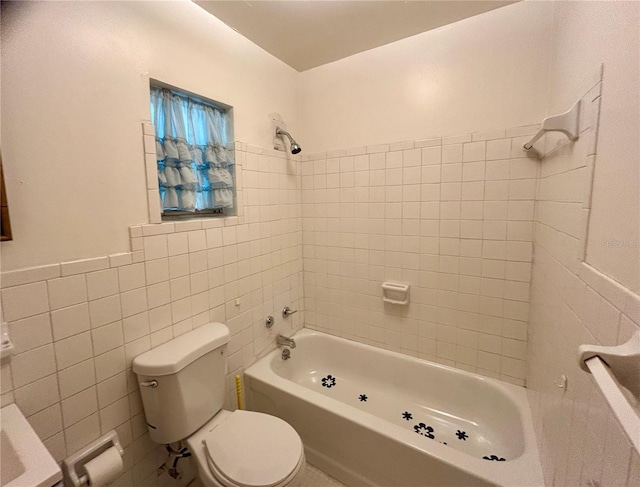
column 176, row 354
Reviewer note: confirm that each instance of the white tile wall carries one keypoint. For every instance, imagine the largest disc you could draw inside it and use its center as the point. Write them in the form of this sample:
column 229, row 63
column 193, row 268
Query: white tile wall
column 453, row 217
column 78, row 325
column 572, row 304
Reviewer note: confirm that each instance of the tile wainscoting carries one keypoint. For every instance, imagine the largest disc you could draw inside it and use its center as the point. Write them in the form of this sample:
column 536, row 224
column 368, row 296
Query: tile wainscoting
column 456, row 217
column 78, row 325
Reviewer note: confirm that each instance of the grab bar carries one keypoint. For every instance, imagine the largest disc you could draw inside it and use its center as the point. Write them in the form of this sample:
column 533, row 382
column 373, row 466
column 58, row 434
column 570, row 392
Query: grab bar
column 613, row 368
column 622, row 410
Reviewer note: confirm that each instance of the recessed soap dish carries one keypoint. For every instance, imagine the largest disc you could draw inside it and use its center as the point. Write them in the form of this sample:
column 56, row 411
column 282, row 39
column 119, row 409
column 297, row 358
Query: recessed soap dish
column 395, row 293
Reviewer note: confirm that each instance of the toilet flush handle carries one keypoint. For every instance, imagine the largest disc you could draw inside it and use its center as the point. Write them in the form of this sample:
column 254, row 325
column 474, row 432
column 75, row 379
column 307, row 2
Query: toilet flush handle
column 149, row 383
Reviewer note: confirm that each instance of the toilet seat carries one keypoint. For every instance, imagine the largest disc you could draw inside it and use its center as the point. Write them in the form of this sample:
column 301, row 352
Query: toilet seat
column 250, row 449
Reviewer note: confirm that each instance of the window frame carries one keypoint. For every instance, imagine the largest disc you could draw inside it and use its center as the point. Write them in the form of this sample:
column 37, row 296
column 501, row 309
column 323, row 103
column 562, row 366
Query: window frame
column 180, row 215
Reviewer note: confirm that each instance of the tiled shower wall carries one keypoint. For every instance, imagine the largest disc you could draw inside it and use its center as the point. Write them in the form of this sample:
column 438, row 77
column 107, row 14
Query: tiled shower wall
column 452, row 217
column 572, row 304
column 78, row 325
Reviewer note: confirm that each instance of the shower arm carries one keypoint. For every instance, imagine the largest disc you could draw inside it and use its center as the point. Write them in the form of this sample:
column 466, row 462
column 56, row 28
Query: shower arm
column 280, row 133
column 295, row 147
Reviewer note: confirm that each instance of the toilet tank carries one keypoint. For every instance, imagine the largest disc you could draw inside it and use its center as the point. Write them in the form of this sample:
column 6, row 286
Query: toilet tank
column 182, row 382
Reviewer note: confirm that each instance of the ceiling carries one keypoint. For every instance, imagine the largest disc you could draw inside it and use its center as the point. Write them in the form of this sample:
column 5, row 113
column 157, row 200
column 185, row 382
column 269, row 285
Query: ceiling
column 308, row 33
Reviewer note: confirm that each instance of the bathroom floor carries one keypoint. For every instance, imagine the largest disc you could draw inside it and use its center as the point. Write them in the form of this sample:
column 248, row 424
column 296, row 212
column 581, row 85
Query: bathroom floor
column 313, row 477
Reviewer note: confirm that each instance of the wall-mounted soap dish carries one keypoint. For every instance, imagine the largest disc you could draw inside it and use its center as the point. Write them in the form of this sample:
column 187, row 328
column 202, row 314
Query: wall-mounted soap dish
column 395, row 293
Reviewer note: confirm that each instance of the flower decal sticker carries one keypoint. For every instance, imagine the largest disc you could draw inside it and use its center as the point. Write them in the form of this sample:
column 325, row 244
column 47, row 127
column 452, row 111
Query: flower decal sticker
column 363, row 398
column 424, row 430
column 328, row 381
column 494, row 458
column 462, row 435
column 407, row 415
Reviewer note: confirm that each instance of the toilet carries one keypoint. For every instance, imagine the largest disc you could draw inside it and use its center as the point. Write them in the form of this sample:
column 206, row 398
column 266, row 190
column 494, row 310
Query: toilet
column 182, row 384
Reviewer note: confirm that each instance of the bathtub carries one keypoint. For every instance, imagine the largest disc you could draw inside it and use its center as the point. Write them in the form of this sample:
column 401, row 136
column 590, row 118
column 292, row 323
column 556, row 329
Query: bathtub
column 370, row 417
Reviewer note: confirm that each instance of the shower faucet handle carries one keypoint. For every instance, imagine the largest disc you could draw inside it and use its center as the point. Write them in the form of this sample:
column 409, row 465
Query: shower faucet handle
column 286, row 311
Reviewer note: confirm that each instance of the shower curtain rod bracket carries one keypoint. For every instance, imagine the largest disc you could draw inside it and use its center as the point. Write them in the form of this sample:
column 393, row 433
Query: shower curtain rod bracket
column 568, row 123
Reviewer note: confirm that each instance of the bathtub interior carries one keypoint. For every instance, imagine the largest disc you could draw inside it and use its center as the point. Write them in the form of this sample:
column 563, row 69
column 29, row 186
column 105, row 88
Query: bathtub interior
column 432, row 401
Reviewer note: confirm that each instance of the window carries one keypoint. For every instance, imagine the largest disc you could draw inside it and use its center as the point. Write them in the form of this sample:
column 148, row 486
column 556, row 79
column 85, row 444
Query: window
column 195, row 164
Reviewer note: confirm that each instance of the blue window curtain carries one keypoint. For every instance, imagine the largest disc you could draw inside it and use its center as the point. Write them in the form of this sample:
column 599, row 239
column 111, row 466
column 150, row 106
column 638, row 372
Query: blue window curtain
column 195, row 167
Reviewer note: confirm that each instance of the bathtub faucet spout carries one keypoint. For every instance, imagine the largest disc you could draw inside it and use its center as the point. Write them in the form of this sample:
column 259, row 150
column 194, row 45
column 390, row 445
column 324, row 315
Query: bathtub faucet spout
column 284, row 341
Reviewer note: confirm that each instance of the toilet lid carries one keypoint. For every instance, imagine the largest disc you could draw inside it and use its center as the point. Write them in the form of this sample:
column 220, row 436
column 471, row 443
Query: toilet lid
column 252, row 449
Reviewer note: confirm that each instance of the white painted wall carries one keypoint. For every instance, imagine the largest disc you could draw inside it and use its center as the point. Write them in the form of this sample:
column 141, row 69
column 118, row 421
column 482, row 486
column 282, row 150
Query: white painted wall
column 483, row 73
column 586, row 35
column 74, row 91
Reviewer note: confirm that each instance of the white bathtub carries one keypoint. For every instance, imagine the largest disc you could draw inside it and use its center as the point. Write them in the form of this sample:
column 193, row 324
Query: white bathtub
column 370, row 417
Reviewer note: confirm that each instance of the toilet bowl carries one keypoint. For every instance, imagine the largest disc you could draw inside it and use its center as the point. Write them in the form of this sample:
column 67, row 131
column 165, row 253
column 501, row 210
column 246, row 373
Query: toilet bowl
column 247, row 449
column 182, row 385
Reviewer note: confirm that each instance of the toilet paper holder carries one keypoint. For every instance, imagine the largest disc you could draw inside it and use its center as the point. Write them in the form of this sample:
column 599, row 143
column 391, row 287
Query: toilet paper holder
column 73, row 466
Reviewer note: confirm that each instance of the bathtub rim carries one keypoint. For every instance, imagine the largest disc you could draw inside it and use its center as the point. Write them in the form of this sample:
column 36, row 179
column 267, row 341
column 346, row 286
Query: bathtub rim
column 524, row 470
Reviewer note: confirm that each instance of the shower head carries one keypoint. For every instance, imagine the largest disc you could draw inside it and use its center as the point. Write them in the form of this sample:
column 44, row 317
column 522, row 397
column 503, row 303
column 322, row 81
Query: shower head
column 295, row 148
